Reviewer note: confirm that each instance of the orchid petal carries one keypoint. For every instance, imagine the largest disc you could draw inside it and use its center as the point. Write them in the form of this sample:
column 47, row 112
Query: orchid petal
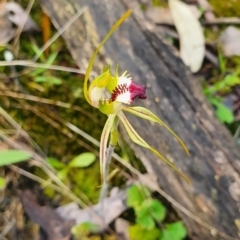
column 138, row 140
column 112, row 84
column 103, row 144
column 146, row 114
column 89, row 68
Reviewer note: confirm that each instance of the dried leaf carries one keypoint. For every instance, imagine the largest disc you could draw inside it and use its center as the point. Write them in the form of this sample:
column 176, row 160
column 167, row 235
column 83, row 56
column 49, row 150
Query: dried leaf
column 12, row 13
column 108, row 210
column 121, row 228
column 55, row 227
column 192, row 43
column 7, row 32
column 19, row 17
column 159, row 15
column 229, row 40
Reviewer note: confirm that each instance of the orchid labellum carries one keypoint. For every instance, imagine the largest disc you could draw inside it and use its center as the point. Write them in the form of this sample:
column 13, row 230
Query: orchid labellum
column 114, row 94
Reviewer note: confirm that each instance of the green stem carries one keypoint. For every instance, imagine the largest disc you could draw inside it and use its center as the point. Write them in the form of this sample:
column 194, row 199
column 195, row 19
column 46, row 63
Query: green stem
column 112, row 144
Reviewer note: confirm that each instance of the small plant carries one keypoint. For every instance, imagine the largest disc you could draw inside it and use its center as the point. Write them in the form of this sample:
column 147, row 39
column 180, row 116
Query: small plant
column 2, row 183
column 150, row 212
column 45, row 77
column 83, row 230
column 81, row 161
column 12, row 156
column 228, row 80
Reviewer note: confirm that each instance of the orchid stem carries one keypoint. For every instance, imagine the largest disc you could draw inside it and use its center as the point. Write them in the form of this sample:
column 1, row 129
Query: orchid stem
column 110, row 151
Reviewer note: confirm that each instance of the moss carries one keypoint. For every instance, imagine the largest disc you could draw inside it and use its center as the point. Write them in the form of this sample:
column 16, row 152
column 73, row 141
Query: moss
column 229, row 8
column 211, row 35
column 159, row 3
column 87, row 181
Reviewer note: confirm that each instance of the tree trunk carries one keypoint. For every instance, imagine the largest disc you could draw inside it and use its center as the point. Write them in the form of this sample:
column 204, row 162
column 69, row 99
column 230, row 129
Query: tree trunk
column 175, row 96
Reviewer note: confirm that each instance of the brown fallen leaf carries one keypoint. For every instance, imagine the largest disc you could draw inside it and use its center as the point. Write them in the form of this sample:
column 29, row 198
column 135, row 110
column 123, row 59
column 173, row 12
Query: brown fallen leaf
column 53, row 225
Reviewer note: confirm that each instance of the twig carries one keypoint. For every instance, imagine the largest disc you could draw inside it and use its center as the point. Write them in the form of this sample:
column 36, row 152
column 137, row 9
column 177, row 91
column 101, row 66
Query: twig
column 223, row 20
column 46, row 66
column 48, row 101
column 45, row 182
column 20, row 28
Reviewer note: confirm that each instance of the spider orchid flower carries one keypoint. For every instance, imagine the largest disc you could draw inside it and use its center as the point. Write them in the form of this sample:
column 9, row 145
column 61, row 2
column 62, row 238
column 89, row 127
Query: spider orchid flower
column 113, row 95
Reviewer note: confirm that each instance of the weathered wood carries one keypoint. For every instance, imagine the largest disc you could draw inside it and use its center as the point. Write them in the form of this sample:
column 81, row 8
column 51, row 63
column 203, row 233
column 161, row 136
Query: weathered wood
column 175, row 96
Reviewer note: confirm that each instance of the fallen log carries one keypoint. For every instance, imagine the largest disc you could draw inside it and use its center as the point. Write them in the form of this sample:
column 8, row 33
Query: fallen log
column 175, row 96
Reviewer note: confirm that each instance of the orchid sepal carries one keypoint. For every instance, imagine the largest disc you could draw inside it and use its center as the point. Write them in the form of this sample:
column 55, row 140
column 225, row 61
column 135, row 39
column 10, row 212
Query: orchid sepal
column 138, row 140
column 148, row 115
column 103, row 144
column 109, row 107
column 89, row 68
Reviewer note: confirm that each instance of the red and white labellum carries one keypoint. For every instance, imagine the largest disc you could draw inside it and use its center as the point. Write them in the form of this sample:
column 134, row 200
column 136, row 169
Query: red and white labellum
column 127, row 90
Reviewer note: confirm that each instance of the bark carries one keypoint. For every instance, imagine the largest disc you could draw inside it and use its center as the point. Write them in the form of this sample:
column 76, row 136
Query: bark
column 175, row 96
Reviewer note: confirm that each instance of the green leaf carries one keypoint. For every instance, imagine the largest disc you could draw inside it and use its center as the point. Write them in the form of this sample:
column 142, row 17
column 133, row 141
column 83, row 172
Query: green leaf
column 62, row 174
column 174, row 231
column 144, row 217
column 223, row 113
column 149, row 210
column 13, row 156
column 49, row 62
column 136, row 195
column 37, row 51
column 103, row 144
column 157, row 209
column 146, row 114
column 138, row 140
column 137, row 232
column 83, row 160
column 48, row 79
column 2, row 183
column 55, row 163
column 84, row 229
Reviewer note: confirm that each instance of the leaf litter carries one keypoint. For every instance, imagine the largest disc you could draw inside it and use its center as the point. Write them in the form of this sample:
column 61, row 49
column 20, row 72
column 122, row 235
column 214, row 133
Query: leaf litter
column 12, row 14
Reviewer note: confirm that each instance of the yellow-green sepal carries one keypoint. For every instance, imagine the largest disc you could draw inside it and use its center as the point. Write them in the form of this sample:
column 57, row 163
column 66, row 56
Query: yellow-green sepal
column 112, row 84
column 146, row 114
column 103, row 145
column 109, row 107
column 138, row 140
column 90, row 64
column 102, row 80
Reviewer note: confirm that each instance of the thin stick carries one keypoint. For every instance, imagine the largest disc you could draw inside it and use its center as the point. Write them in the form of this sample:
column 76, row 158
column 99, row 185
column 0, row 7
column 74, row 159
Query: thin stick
column 223, row 20
column 44, row 182
column 45, row 66
column 48, row 101
column 20, row 28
